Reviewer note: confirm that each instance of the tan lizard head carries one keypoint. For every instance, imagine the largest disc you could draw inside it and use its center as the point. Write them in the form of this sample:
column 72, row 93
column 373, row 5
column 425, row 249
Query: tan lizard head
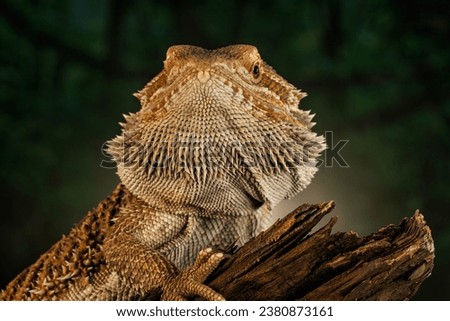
column 218, row 130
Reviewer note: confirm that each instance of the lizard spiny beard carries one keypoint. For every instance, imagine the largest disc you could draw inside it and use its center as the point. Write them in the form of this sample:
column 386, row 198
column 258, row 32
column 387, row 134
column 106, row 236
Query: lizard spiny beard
column 219, row 131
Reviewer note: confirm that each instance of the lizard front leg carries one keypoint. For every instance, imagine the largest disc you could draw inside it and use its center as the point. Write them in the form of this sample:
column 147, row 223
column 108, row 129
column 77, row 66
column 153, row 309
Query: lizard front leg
column 145, row 273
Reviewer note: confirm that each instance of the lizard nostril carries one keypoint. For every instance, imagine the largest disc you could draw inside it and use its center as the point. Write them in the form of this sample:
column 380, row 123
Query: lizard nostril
column 203, row 76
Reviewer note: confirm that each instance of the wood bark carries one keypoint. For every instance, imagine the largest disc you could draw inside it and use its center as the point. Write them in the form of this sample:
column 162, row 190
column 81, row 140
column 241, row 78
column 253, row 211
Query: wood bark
column 291, row 261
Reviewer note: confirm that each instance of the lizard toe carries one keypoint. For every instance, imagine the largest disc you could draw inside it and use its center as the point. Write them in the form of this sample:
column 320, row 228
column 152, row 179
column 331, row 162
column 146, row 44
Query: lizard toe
column 189, row 282
column 184, row 289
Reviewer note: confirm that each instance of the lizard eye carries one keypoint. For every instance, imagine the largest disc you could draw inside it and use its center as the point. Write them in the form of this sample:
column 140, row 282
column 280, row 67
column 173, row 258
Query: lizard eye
column 256, row 70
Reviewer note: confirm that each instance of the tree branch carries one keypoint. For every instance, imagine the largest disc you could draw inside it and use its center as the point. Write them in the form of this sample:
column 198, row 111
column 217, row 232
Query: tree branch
column 288, row 262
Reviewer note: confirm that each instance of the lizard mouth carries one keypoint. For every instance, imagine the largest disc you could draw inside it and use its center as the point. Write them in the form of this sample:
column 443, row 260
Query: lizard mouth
column 215, row 83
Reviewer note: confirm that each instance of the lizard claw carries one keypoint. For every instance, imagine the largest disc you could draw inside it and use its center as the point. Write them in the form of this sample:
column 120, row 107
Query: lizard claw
column 189, row 282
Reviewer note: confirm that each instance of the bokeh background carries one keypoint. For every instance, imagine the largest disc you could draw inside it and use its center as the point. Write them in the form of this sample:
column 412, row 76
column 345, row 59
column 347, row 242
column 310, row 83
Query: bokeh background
column 377, row 74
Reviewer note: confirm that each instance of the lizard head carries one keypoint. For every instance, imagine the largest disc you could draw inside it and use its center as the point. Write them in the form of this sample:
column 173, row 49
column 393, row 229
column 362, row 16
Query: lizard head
column 218, row 130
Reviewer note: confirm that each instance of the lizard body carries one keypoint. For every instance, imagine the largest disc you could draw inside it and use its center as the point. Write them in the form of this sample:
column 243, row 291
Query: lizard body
column 219, row 140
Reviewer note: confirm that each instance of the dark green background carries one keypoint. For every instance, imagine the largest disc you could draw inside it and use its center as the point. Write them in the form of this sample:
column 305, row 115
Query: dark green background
column 377, row 74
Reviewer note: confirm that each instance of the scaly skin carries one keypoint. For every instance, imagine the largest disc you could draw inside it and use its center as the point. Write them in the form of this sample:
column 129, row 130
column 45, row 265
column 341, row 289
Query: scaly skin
column 218, row 142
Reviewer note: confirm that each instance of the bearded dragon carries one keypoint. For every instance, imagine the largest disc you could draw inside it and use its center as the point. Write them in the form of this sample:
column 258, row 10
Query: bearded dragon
column 218, row 142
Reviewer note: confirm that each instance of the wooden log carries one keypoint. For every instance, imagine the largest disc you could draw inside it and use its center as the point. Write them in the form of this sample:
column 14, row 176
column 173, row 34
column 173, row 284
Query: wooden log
column 289, row 262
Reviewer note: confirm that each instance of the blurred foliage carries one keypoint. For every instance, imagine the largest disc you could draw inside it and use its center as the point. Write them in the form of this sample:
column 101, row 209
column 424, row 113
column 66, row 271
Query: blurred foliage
column 377, row 72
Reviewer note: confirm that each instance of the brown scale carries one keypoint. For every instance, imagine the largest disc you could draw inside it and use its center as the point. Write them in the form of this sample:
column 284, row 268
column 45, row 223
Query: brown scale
column 75, row 256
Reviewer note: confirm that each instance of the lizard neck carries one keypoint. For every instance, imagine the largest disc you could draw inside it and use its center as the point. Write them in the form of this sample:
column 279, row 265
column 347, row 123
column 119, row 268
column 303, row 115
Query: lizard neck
column 218, row 194
column 183, row 195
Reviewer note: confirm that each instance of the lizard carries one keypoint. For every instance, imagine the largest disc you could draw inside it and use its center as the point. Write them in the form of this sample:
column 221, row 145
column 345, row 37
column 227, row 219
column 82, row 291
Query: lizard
column 219, row 140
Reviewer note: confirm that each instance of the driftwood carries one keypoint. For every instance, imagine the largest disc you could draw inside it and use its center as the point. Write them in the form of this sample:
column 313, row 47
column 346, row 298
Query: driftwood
column 289, row 262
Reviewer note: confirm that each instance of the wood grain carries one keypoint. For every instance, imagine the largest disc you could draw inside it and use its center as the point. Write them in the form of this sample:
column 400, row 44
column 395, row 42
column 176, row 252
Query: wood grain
column 290, row 262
